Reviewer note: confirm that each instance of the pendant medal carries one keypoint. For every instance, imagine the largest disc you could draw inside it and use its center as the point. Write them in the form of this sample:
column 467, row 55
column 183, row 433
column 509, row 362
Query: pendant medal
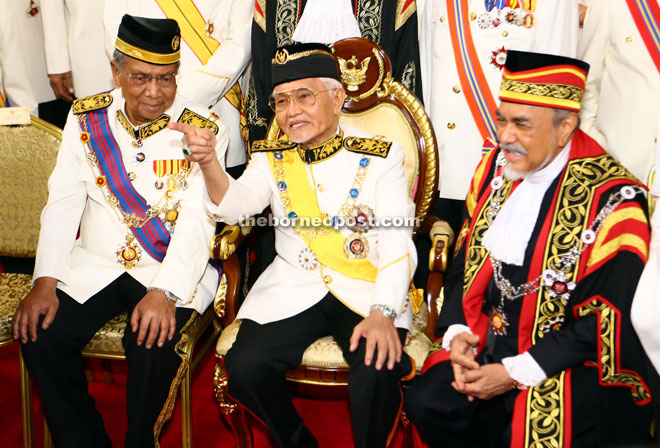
column 356, row 247
column 498, row 321
column 129, row 253
column 362, row 218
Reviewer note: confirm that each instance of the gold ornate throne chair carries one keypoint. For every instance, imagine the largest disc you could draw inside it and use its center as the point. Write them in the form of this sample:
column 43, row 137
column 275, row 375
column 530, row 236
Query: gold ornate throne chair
column 27, row 157
column 383, row 107
column 36, row 147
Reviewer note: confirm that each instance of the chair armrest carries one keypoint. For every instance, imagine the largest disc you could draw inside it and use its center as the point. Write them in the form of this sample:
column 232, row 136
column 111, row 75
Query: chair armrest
column 223, row 247
column 224, row 244
column 442, row 238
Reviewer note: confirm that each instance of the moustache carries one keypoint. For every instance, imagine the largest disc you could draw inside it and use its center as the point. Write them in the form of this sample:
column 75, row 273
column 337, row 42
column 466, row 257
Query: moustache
column 513, row 148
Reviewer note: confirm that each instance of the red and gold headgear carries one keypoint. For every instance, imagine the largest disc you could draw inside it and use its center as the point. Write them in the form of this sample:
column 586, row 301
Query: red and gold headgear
column 543, row 80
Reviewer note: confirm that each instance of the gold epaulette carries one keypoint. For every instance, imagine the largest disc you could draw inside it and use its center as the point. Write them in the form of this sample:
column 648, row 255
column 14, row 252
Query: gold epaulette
column 90, row 103
column 371, row 146
column 195, row 119
column 272, row 145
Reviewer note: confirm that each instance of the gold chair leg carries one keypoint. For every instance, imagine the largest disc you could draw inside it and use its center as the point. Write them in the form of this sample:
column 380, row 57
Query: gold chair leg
column 26, row 403
column 232, row 412
column 48, row 440
column 186, row 409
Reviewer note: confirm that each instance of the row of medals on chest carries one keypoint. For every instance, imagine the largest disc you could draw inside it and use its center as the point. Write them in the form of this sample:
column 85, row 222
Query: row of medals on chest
column 357, row 217
column 556, row 279
column 167, row 210
column 513, row 16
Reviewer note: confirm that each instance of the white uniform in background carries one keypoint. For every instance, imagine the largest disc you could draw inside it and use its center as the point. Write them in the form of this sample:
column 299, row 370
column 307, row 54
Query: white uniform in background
column 645, row 311
column 229, row 23
column 73, row 40
column 623, row 88
column 554, row 30
column 15, row 86
column 32, row 40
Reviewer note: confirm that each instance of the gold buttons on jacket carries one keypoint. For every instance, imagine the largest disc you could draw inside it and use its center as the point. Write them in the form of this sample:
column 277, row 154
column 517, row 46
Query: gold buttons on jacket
column 132, row 176
column 628, row 39
column 505, row 33
column 320, row 188
column 473, row 16
column 327, row 279
column 442, row 19
column 451, row 125
column 456, row 89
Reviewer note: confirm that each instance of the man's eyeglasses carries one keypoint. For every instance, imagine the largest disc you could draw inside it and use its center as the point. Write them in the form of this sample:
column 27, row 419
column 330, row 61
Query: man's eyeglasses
column 302, row 96
column 141, row 79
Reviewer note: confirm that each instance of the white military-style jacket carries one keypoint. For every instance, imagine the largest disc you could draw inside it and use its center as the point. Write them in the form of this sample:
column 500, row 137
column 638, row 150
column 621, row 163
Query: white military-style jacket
column 554, row 30
column 229, row 23
column 73, row 40
column 22, row 58
column 16, row 87
column 78, row 201
column 622, row 96
column 290, row 285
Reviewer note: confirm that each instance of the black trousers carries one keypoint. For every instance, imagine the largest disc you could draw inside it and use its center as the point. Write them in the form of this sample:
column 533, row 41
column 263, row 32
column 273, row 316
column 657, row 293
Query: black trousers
column 257, row 362
column 55, row 361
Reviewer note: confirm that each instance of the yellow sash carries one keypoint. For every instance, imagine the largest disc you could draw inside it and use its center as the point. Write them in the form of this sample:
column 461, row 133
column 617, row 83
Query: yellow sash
column 328, row 245
column 193, row 27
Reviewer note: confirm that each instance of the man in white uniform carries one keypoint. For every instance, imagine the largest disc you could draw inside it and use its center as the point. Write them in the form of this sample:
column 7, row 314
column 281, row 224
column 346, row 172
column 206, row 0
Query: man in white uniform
column 623, row 91
column 463, row 45
column 215, row 50
column 16, row 87
column 349, row 281
column 122, row 182
column 73, row 40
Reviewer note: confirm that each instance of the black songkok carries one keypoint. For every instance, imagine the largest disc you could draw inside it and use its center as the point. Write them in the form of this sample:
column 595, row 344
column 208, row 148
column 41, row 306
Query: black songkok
column 299, row 61
column 156, row 41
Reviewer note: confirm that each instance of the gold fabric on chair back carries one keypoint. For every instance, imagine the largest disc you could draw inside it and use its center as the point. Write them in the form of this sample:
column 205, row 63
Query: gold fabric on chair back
column 27, row 157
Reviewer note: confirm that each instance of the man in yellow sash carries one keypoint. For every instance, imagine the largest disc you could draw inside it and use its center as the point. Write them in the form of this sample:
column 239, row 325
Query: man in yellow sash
column 215, row 50
column 536, row 345
column 345, row 256
column 122, row 182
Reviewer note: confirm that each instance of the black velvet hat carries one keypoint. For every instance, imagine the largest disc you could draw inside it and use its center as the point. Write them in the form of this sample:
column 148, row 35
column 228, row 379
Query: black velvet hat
column 156, row 41
column 299, row 61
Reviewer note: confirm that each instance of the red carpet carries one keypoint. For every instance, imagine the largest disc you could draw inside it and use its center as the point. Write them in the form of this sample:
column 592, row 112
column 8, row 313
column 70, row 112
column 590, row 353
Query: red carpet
column 328, row 420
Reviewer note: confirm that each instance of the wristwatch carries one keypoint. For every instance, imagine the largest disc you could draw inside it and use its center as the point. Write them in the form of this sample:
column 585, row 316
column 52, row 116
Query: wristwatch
column 168, row 295
column 387, row 310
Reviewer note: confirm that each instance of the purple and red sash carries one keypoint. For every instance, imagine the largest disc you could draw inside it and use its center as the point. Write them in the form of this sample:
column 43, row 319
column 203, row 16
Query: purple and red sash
column 153, row 236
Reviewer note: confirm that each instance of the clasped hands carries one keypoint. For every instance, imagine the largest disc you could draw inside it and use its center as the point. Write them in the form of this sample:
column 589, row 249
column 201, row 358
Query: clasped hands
column 474, row 380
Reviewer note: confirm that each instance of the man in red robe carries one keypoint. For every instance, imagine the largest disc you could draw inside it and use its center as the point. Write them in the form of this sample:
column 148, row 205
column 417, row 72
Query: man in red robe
column 536, row 345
